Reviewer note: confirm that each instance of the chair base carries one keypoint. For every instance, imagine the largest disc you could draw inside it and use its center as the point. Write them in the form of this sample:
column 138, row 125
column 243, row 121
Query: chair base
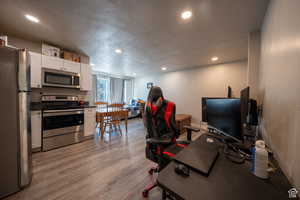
column 148, row 189
column 151, row 186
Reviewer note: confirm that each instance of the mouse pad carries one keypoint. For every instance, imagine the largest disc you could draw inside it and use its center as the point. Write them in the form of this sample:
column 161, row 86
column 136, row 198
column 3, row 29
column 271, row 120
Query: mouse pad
column 200, row 155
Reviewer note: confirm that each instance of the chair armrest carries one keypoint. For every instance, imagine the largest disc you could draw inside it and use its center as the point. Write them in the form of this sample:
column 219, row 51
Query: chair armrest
column 159, row 141
column 189, row 131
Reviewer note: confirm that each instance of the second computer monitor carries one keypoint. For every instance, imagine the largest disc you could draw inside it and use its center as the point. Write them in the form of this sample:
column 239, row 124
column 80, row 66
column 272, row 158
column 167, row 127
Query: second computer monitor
column 223, row 114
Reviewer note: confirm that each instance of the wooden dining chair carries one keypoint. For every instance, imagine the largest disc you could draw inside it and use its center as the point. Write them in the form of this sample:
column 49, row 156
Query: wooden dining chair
column 101, row 104
column 115, row 110
column 103, row 107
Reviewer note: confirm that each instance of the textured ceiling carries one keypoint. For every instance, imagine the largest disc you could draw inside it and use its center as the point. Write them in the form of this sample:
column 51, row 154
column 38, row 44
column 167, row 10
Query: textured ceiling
column 150, row 32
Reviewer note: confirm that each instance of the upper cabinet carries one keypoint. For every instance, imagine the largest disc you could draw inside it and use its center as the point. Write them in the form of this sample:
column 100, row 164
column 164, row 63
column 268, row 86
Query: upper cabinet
column 71, row 66
column 36, row 69
column 39, row 61
column 51, row 62
column 86, row 77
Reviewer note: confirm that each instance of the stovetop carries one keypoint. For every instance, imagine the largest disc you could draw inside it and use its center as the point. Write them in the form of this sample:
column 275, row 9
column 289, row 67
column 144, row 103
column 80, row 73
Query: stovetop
column 59, row 102
column 57, row 105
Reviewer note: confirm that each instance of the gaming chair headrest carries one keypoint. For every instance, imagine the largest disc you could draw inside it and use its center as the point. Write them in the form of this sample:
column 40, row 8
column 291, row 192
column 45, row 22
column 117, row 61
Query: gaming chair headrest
column 154, row 94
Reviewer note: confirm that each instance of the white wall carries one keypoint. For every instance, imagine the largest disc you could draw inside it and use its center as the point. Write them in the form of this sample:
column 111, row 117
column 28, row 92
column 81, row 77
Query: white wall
column 187, row 87
column 279, row 84
column 253, row 62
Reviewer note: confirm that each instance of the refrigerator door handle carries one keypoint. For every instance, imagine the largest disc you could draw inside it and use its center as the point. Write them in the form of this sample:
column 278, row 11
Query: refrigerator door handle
column 25, row 139
column 24, row 117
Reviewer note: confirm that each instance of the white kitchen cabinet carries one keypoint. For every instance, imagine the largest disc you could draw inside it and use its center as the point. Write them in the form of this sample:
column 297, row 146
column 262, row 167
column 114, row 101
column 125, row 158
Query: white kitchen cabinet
column 71, row 66
column 36, row 69
column 86, row 77
column 51, row 62
column 36, row 129
column 89, row 121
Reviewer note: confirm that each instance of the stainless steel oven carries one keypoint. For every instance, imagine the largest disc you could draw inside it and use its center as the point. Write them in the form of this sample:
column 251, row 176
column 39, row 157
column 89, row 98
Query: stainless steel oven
column 62, row 127
column 57, row 78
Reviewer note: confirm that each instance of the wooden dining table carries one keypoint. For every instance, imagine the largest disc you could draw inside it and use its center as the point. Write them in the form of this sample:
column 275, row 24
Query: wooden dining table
column 103, row 113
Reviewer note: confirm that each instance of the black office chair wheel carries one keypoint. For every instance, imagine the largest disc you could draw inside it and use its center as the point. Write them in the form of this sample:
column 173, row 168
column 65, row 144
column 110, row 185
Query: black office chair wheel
column 145, row 193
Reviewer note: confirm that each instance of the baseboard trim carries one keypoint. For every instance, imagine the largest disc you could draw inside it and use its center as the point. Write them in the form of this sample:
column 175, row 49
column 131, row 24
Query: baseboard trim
column 88, row 137
column 37, row 149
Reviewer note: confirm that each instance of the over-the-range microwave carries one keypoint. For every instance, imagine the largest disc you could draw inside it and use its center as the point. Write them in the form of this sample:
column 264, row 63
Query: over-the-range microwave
column 57, row 78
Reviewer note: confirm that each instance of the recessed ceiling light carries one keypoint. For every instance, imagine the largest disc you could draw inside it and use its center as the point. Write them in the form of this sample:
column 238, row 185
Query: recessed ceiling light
column 92, row 64
column 186, row 14
column 134, row 74
column 164, row 68
column 214, row 58
column 32, row 18
column 119, row 51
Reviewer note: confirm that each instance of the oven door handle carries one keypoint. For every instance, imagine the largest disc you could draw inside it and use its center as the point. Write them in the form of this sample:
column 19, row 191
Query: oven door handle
column 49, row 114
column 65, row 110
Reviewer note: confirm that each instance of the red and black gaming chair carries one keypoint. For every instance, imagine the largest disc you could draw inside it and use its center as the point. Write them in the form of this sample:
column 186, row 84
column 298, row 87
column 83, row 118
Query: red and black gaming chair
column 161, row 144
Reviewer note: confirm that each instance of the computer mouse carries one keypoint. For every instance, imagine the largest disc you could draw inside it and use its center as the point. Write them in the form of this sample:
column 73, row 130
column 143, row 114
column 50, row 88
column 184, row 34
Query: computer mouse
column 182, row 170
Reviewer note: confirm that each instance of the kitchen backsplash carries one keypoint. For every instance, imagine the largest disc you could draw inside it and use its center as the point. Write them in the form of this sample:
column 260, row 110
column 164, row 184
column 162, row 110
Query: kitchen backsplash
column 38, row 93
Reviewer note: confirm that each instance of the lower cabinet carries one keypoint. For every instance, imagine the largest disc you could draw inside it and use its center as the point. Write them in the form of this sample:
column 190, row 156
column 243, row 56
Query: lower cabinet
column 89, row 121
column 36, row 129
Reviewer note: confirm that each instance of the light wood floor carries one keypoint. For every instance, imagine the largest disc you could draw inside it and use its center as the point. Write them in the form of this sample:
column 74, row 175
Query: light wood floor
column 109, row 169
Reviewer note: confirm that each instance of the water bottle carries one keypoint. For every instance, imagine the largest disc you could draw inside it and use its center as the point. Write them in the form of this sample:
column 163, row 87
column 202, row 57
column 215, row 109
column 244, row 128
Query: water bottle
column 260, row 160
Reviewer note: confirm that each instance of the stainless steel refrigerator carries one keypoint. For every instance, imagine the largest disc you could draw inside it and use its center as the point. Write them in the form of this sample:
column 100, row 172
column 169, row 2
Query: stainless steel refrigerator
column 15, row 123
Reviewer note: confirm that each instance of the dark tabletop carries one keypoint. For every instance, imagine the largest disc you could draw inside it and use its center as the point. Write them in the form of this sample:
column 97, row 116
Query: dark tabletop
column 227, row 180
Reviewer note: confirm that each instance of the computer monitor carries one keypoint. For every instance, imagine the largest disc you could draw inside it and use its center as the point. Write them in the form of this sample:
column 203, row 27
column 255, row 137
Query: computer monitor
column 249, row 115
column 223, row 114
column 245, row 93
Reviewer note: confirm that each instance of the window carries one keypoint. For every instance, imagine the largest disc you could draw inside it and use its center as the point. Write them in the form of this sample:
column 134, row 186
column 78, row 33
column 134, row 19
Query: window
column 111, row 89
column 128, row 90
column 102, row 89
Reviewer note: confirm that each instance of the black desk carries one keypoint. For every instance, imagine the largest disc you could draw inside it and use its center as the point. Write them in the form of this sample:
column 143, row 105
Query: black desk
column 227, row 180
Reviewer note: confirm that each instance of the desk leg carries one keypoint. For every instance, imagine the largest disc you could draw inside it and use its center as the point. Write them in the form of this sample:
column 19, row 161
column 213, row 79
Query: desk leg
column 102, row 127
